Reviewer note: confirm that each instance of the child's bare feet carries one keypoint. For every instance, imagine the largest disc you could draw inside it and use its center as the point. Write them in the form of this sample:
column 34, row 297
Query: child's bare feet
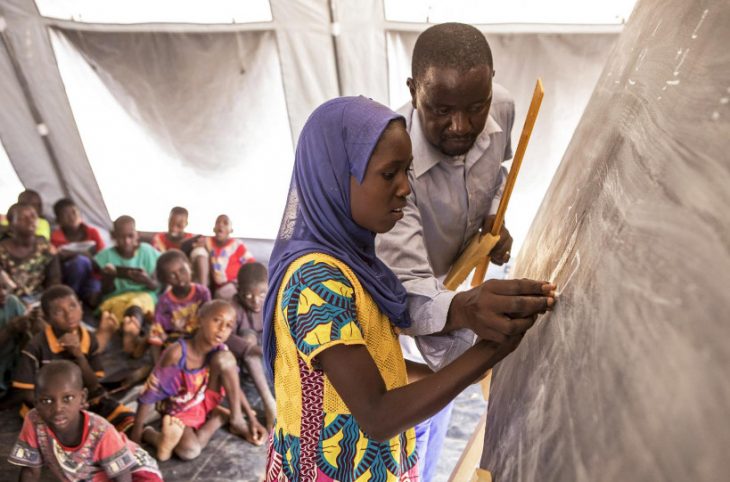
column 172, row 432
column 253, row 433
column 241, row 428
column 258, row 431
column 108, row 322
column 131, row 325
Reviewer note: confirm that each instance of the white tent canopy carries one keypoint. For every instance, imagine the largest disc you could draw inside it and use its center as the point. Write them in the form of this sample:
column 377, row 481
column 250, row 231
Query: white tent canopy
column 131, row 107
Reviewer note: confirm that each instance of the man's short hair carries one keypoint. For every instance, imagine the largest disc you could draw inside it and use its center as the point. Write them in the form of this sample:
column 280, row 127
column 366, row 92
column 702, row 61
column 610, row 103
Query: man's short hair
column 55, row 292
column 451, row 45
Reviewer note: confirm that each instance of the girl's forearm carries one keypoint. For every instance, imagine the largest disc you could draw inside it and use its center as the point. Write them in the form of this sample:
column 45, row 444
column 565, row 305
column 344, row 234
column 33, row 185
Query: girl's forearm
column 368, row 398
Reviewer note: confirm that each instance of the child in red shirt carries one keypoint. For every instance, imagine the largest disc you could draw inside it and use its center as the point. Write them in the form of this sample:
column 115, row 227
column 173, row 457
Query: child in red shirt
column 74, row 444
column 76, row 243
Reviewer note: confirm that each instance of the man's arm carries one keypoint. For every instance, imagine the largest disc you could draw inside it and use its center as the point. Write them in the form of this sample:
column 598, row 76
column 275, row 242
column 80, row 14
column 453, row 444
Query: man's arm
column 403, row 250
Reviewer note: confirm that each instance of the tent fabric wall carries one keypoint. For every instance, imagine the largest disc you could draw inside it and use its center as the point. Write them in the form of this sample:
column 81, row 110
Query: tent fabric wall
column 309, row 73
column 185, row 116
column 569, row 66
column 361, row 49
column 29, row 39
column 360, row 53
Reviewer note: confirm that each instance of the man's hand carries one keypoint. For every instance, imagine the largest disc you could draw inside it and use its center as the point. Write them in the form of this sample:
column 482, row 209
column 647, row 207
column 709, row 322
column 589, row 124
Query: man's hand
column 500, row 254
column 500, row 309
column 71, row 343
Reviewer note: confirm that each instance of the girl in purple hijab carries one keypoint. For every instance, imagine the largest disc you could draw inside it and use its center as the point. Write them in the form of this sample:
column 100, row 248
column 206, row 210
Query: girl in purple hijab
column 345, row 409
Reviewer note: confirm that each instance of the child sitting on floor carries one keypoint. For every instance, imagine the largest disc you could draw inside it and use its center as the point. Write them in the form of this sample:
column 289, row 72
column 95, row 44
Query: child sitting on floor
column 175, row 235
column 245, row 341
column 14, row 325
column 76, row 243
column 188, row 384
column 73, row 443
column 128, row 282
column 64, row 338
column 177, row 308
column 227, row 254
column 29, row 196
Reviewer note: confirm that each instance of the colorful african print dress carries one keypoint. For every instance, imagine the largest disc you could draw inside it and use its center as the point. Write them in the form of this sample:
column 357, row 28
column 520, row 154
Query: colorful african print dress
column 322, row 304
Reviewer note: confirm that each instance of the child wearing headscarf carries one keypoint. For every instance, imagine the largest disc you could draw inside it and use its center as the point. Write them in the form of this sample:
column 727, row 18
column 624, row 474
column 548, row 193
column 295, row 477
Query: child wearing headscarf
column 345, row 409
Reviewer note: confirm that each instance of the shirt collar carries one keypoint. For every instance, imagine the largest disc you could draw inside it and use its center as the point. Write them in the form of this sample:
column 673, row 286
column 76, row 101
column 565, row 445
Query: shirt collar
column 55, row 345
column 425, row 156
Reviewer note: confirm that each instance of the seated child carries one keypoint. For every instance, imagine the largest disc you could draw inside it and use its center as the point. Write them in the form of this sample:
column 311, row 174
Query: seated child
column 188, row 385
column 175, row 235
column 29, row 261
column 245, row 341
column 127, row 282
column 43, row 228
column 72, row 443
column 13, row 327
column 64, row 338
column 177, row 308
column 76, row 243
column 227, row 254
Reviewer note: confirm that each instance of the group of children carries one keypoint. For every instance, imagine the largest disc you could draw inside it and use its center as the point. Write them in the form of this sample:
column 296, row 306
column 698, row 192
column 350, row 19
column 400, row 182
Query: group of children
column 196, row 316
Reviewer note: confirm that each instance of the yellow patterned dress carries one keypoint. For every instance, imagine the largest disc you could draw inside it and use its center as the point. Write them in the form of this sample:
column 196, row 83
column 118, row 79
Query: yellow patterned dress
column 322, row 304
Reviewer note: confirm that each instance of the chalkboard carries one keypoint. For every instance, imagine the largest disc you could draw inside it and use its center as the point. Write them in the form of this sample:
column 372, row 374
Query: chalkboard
column 627, row 380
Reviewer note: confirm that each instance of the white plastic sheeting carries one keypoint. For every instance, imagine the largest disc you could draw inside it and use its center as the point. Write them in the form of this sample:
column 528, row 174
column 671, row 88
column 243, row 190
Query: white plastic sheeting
column 166, row 11
column 179, row 119
column 563, row 12
column 10, row 185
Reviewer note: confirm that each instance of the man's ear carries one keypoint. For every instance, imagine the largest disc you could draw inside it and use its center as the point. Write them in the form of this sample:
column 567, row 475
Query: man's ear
column 84, row 398
column 412, row 89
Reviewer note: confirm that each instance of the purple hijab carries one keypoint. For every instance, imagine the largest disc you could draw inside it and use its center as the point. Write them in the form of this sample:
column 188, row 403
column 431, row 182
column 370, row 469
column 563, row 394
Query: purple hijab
column 336, row 143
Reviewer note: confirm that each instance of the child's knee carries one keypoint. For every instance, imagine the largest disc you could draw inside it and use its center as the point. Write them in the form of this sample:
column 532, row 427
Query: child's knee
column 187, row 451
column 250, row 338
column 223, row 361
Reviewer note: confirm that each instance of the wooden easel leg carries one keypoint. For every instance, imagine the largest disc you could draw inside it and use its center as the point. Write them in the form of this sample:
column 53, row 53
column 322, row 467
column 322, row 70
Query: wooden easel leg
column 472, row 453
column 481, row 475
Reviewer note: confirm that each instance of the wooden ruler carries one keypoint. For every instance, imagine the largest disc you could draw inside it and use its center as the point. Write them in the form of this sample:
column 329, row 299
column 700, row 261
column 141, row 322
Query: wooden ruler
column 537, row 95
column 477, row 251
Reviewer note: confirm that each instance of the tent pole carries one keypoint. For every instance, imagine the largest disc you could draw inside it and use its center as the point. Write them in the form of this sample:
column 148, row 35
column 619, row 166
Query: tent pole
column 35, row 113
column 335, row 29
